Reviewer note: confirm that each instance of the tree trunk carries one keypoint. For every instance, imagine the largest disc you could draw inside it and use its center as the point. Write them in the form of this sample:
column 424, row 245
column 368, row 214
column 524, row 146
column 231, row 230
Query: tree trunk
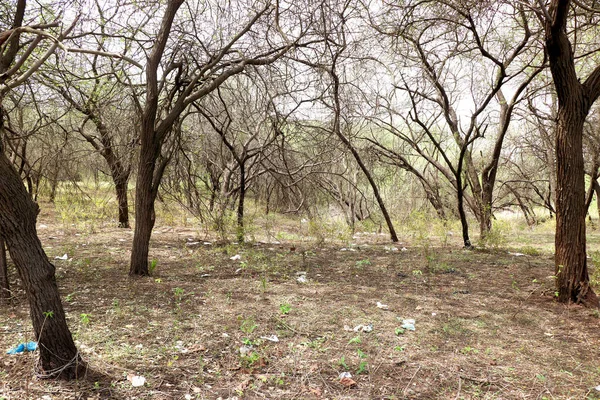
column 5, row 294
column 240, row 210
column 570, row 261
column 58, row 355
column 145, row 195
column 574, row 102
column 121, row 189
column 463, row 216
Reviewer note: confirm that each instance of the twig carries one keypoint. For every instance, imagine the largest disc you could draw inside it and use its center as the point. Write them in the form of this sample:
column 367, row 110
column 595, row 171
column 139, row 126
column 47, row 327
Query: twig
column 459, row 387
column 411, row 379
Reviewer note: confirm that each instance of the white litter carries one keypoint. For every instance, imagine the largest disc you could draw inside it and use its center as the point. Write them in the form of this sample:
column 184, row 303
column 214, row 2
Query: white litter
column 345, row 374
column 382, row 306
column 404, row 249
column 272, row 338
column 137, row 381
column 236, row 257
column 302, row 279
column 516, row 254
column 63, row 257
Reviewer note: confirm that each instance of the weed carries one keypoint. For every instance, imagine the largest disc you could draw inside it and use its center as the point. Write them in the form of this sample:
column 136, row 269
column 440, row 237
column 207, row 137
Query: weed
column 152, row 266
column 285, row 308
column 363, row 263
column 248, row 325
column 342, row 363
column 355, row 340
column 84, row 318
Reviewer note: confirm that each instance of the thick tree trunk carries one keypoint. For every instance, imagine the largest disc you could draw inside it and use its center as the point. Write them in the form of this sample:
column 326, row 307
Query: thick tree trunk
column 485, row 222
column 572, row 279
column 574, row 102
column 145, row 196
column 58, row 355
column 5, row 294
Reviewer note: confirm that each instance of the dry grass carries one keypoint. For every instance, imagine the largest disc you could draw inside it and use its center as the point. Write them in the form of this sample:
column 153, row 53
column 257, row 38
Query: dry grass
column 487, row 326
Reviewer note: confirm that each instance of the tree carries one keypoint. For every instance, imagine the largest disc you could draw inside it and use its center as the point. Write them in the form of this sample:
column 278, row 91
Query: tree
column 575, row 99
column 455, row 67
column 187, row 78
column 18, row 213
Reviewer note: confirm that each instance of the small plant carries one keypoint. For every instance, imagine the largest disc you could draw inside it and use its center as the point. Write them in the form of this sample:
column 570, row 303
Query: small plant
column 84, row 318
column 469, row 350
column 399, row 331
column 248, row 325
column 179, row 293
column 417, row 272
column 342, row 363
column 399, row 348
column 285, row 308
column 363, row 263
column 48, row 314
column 152, row 266
column 355, row 340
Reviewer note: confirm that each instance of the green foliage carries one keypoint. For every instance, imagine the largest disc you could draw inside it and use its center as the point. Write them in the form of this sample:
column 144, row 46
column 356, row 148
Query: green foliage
column 285, row 308
column 84, row 318
column 152, row 266
column 248, row 325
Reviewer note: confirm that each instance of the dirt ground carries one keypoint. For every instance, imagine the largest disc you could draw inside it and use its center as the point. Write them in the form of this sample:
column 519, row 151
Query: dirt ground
column 285, row 319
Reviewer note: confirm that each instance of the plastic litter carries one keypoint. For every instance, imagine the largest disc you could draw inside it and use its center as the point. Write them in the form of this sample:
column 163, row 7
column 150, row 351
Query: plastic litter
column 272, row 338
column 236, row 257
column 301, row 277
column 408, row 324
column 64, row 257
column 404, row 249
column 245, row 350
column 345, row 374
column 516, row 254
column 363, row 328
column 23, row 347
column 382, row 306
column 597, row 388
column 136, row 380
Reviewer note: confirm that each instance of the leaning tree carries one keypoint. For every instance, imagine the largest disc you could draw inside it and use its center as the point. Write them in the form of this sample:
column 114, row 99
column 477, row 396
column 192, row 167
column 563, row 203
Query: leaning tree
column 22, row 55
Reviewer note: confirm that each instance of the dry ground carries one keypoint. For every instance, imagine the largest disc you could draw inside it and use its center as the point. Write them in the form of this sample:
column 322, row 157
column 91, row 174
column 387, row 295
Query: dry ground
column 487, row 326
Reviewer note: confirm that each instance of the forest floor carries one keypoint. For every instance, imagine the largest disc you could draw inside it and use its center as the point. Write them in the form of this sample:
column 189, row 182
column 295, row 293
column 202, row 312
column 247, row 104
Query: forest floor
column 208, row 324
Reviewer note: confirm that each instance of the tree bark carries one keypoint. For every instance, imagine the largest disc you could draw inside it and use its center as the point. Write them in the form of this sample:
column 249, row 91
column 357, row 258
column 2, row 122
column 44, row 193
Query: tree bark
column 5, row 294
column 240, row 210
column 574, row 102
column 121, row 189
column 58, row 355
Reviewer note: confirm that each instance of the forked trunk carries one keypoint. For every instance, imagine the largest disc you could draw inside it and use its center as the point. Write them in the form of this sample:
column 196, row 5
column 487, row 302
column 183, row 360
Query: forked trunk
column 58, row 355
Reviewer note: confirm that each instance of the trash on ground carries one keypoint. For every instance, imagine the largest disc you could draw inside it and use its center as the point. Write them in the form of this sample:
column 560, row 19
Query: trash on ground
column 136, row 380
column 597, row 388
column 301, row 277
column 64, row 257
column 272, row 338
column 191, row 244
column 245, row 350
column 236, row 257
column 382, row 306
column 23, row 347
column 408, row 324
column 345, row 375
column 404, row 249
column 237, row 271
column 516, row 254
column 346, row 380
column 364, row 328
